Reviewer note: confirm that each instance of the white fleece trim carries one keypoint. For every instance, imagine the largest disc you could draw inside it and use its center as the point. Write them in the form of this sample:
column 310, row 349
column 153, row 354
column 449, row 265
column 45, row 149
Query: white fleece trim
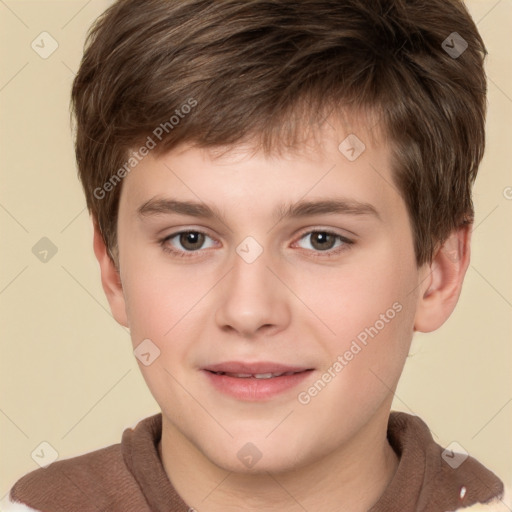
column 503, row 505
column 6, row 505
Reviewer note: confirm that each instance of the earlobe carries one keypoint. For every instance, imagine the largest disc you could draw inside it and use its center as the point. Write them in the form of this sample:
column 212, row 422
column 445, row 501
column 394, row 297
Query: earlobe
column 110, row 278
column 442, row 281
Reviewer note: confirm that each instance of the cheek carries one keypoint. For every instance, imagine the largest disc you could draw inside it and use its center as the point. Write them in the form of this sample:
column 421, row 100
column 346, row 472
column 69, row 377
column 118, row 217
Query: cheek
column 158, row 306
column 165, row 304
column 349, row 301
column 146, row 306
column 370, row 315
column 155, row 298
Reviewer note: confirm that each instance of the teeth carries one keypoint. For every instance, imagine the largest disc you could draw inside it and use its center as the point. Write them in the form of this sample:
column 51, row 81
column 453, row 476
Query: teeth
column 254, row 375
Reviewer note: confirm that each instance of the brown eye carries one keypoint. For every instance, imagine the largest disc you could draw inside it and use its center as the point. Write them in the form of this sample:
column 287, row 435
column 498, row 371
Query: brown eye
column 326, row 243
column 191, row 240
column 322, row 241
column 187, row 243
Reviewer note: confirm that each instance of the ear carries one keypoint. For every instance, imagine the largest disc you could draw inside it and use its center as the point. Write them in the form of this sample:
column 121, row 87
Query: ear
column 442, row 281
column 110, row 278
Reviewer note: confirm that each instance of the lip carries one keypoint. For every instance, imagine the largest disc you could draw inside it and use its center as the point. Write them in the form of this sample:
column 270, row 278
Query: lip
column 256, row 367
column 252, row 389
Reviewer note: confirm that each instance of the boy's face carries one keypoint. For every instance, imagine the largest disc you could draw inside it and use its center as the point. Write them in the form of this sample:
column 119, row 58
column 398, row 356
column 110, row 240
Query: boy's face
column 290, row 307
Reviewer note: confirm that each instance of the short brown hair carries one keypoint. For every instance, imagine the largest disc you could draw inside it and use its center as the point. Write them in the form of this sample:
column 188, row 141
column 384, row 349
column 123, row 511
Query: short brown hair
column 263, row 70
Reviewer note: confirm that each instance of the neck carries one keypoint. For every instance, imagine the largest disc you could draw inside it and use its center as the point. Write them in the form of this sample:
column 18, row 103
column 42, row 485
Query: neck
column 351, row 478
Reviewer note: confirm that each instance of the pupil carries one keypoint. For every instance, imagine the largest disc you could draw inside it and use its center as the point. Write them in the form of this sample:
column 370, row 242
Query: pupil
column 191, row 239
column 321, row 238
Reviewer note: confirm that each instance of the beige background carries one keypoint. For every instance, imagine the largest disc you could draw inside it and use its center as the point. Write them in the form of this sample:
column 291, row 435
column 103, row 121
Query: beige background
column 67, row 373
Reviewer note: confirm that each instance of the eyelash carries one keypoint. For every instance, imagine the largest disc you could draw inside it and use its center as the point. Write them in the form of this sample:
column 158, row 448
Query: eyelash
column 317, row 254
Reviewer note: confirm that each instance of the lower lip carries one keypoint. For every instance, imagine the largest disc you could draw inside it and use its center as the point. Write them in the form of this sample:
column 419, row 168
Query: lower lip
column 252, row 389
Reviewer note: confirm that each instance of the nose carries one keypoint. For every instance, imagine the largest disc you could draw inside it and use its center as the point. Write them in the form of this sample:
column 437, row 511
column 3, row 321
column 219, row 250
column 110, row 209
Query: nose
column 251, row 299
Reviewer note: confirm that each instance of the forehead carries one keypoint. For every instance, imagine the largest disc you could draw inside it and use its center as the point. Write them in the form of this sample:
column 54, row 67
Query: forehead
column 346, row 158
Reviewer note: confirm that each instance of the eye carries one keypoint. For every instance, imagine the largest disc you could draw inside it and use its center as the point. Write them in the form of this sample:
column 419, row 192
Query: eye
column 324, row 241
column 190, row 241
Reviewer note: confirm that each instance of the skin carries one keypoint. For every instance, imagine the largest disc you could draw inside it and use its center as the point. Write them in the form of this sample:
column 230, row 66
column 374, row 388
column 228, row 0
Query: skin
column 287, row 306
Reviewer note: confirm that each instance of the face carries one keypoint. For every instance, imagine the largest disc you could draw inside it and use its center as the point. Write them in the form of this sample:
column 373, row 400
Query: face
column 279, row 306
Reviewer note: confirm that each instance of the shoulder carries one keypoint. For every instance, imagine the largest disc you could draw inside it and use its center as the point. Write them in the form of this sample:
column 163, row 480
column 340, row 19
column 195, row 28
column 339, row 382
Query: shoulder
column 466, row 486
column 110, row 478
column 66, row 483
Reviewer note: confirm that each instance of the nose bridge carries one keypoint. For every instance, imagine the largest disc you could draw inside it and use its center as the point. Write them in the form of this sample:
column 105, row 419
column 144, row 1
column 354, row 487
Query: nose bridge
column 249, row 265
column 251, row 296
column 250, row 276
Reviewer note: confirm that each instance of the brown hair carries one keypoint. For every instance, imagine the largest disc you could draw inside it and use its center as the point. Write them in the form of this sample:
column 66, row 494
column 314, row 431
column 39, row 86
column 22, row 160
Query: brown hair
column 217, row 73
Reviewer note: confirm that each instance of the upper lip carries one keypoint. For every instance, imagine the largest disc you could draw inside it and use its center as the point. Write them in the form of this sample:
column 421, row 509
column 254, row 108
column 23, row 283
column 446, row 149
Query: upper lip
column 254, row 368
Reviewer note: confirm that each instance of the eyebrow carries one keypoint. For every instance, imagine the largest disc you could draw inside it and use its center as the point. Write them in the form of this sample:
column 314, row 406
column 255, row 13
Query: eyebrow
column 300, row 209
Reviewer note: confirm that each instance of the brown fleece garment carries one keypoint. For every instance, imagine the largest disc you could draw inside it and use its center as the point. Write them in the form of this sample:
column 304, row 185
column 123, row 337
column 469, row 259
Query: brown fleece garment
column 129, row 477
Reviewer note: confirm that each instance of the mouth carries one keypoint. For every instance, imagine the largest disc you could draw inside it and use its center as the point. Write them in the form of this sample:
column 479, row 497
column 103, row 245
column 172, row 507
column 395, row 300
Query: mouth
column 255, row 381
column 256, row 375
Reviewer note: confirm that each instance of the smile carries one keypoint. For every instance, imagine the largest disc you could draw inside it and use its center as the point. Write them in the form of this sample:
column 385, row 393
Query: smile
column 254, row 382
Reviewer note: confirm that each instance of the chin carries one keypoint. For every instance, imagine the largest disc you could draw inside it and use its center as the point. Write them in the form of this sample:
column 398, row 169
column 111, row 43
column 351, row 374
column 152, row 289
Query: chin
column 260, row 455
column 266, row 464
